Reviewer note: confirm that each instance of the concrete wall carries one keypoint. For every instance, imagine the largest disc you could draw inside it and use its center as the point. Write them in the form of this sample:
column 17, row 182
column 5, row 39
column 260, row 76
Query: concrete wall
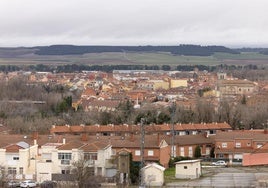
column 188, row 170
column 153, row 176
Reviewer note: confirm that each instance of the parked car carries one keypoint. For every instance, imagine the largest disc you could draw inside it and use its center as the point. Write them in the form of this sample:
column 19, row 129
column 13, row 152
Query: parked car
column 28, row 183
column 13, row 184
column 219, row 163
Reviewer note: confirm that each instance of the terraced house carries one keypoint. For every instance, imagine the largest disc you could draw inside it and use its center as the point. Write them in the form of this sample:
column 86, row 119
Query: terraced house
column 234, row 144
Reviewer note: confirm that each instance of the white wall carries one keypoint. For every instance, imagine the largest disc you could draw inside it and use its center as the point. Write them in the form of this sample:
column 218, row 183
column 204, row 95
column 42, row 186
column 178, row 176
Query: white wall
column 153, row 176
column 193, row 170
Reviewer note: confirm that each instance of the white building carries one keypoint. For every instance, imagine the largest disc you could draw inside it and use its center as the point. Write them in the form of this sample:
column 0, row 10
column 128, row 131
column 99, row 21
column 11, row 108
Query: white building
column 19, row 160
column 153, row 175
column 59, row 159
column 188, row 169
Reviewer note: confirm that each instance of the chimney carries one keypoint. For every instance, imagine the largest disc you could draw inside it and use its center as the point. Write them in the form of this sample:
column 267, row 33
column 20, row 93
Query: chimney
column 206, row 134
column 35, row 142
column 84, row 137
column 34, row 135
column 63, row 141
column 265, row 130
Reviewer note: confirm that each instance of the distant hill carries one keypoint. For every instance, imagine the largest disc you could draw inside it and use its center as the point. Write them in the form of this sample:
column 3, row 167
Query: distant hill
column 187, row 50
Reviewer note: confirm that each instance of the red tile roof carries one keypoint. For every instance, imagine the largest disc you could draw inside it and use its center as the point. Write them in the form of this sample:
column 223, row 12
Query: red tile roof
column 136, row 128
column 255, row 159
column 242, row 134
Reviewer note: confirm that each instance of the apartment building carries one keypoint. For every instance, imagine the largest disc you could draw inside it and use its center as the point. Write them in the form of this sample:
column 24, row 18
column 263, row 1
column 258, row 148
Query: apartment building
column 60, row 159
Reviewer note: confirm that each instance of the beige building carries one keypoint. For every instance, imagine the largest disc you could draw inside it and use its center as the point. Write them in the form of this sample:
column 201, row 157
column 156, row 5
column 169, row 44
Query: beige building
column 153, row 175
column 178, row 83
column 236, row 87
column 188, row 169
column 19, row 160
column 153, row 85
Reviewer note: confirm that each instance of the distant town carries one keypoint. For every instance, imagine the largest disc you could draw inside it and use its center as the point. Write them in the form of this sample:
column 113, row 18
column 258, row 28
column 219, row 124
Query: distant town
column 127, row 126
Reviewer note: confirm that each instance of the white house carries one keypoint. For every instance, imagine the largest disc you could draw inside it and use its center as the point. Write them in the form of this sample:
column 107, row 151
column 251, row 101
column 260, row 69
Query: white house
column 153, row 175
column 59, row 158
column 19, row 159
column 188, row 169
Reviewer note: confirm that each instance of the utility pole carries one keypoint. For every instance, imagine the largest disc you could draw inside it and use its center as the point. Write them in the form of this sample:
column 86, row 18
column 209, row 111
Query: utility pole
column 173, row 108
column 142, row 153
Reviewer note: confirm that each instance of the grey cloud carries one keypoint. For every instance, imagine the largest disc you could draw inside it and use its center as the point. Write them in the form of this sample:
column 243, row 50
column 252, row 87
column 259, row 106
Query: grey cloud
column 134, row 22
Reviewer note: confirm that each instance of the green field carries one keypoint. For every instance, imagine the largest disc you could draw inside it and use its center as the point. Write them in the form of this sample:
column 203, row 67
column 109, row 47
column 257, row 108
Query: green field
column 120, row 58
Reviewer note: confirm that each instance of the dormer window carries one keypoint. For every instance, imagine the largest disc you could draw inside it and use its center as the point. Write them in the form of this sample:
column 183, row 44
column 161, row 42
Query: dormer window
column 224, row 145
column 238, row 145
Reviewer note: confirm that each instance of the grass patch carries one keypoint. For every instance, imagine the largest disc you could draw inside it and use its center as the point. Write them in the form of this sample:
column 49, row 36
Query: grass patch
column 169, row 176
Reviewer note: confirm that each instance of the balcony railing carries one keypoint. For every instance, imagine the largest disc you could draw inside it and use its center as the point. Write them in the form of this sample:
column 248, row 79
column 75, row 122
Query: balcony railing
column 65, row 162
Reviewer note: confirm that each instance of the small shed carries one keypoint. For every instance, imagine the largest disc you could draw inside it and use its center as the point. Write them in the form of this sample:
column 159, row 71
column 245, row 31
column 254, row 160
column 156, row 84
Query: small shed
column 153, row 175
column 188, row 169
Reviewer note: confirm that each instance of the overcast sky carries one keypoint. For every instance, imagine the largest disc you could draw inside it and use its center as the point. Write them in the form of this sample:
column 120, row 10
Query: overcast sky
column 233, row 23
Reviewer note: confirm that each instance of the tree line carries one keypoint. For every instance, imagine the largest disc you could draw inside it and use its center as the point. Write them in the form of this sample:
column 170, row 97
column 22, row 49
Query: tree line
column 183, row 49
column 68, row 68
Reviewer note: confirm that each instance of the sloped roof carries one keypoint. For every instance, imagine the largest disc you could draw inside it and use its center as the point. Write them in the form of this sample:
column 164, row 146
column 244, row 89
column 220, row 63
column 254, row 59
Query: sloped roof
column 136, row 128
column 71, row 145
column 242, row 134
column 255, row 159
column 188, row 161
column 154, row 165
column 192, row 140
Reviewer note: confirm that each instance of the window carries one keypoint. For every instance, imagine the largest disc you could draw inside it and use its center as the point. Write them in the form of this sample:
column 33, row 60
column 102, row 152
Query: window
column 185, row 167
column 66, row 156
column 11, row 170
column 190, row 151
column 259, row 145
column 16, row 158
column 221, row 155
column 150, row 153
column 137, row 152
column 182, row 151
column 238, row 145
column 207, row 151
column 65, row 171
column 91, row 156
column 21, row 170
column 224, row 145
column 248, row 144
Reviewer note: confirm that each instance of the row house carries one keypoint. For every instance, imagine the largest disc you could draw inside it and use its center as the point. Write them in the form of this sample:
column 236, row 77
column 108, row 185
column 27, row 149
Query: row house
column 125, row 130
column 185, row 145
column 60, row 158
column 156, row 149
column 232, row 145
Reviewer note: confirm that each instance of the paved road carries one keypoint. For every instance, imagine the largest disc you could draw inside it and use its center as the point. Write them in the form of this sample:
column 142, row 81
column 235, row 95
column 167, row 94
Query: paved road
column 228, row 177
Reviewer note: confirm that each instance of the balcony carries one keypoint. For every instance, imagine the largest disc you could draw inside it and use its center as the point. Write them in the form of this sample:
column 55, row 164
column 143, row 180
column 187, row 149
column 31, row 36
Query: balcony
column 110, row 163
column 65, row 162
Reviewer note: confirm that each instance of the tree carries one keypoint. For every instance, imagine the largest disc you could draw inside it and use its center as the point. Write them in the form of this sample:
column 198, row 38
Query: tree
column 83, row 174
column 133, row 170
column 244, row 100
column 197, row 152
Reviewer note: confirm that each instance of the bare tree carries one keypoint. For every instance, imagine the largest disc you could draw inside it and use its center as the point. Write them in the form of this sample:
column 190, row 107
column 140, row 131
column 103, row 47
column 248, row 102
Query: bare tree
column 83, row 174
